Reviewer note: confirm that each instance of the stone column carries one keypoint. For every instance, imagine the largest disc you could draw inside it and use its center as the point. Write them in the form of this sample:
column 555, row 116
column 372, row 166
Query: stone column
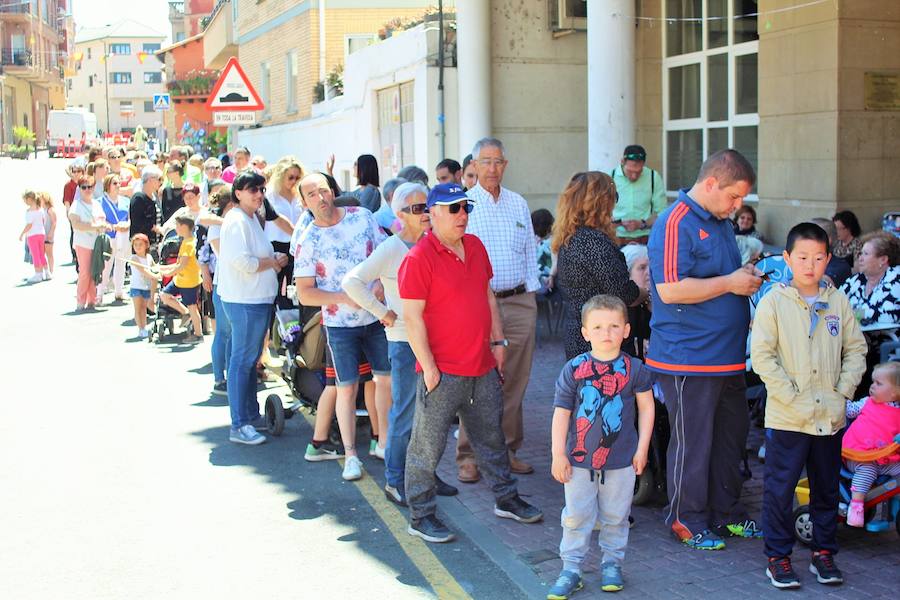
column 611, row 99
column 473, row 55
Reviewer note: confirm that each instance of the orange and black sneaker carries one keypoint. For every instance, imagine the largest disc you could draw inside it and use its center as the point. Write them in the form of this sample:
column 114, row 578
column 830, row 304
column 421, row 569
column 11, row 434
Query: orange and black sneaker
column 781, row 573
column 823, row 567
column 705, row 540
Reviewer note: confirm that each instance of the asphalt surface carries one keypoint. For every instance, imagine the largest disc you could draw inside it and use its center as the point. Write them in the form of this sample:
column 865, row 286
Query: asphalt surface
column 118, row 479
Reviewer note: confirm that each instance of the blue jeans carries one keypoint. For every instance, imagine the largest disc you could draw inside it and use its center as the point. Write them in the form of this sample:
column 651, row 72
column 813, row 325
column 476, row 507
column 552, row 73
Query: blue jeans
column 400, row 419
column 221, row 345
column 248, row 329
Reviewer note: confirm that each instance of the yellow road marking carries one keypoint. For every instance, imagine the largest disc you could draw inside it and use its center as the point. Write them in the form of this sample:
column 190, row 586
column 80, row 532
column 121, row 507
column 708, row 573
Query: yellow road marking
column 416, row 549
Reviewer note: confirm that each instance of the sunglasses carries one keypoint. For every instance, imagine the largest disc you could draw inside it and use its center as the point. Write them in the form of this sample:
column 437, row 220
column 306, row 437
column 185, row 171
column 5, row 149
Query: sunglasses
column 85, row 186
column 638, row 157
column 415, row 209
column 292, row 177
column 255, row 188
column 455, row 208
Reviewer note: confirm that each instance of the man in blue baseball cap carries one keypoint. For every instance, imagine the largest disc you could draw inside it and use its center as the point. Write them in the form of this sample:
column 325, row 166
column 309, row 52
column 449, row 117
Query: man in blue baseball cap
column 455, row 331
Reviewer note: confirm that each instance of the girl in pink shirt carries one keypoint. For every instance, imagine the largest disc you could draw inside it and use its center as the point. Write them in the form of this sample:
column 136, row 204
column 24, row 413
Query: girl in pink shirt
column 872, row 442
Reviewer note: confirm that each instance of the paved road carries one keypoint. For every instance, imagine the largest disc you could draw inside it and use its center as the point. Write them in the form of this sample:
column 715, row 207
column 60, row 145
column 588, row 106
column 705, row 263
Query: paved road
column 119, row 480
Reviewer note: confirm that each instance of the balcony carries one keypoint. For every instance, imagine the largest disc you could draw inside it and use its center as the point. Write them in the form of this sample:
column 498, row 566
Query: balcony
column 15, row 11
column 193, row 85
column 20, row 63
column 218, row 36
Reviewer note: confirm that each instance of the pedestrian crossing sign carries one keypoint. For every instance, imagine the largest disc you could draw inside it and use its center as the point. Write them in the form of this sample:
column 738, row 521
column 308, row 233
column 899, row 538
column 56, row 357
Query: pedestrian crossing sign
column 162, row 102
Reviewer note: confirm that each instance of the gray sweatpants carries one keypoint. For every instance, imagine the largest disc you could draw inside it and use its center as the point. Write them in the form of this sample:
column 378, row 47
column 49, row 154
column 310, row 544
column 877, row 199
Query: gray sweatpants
column 478, row 400
column 606, row 499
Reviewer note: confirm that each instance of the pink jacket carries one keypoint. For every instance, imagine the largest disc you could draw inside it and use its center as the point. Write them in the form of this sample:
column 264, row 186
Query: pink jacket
column 874, row 428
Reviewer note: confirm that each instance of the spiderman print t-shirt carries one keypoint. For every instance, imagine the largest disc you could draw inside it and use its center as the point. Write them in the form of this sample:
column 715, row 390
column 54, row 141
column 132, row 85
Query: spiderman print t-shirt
column 328, row 253
column 600, row 394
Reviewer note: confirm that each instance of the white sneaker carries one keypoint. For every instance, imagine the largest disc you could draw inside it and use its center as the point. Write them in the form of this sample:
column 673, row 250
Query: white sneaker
column 352, row 469
column 379, row 452
column 46, row 275
column 247, row 435
column 36, row 278
column 142, row 333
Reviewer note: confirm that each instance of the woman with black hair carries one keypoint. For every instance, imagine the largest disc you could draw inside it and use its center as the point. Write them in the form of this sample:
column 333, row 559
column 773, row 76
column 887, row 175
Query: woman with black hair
column 172, row 195
column 248, row 280
column 367, row 176
column 847, row 246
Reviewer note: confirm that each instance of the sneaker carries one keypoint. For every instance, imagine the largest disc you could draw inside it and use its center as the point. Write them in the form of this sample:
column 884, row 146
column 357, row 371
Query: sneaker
column 373, row 447
column 47, row 275
column 143, row 333
column 352, row 469
column 566, row 584
column 321, row 453
column 395, row 495
column 192, row 339
column 246, row 435
column 705, row 540
column 823, row 567
column 442, row 488
column 781, row 573
column 518, row 510
column 379, row 452
column 745, row 529
column 856, row 514
column 220, row 389
column 36, row 278
column 430, row 529
column 611, row 577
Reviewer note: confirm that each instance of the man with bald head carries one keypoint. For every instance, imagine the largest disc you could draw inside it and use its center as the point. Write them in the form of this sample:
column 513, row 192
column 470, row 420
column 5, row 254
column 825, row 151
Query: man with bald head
column 337, row 240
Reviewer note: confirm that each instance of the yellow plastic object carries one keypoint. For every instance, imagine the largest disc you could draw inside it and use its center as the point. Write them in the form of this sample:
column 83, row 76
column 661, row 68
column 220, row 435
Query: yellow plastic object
column 802, row 491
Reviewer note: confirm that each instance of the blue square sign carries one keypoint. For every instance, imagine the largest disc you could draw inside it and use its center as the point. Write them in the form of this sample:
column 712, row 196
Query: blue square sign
column 162, row 102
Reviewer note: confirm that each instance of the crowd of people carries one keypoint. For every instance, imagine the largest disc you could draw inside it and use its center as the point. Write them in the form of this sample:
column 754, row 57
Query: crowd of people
column 429, row 301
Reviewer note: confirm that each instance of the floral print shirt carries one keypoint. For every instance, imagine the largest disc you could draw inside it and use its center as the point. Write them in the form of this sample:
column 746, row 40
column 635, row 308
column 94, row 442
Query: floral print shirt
column 328, row 253
column 882, row 305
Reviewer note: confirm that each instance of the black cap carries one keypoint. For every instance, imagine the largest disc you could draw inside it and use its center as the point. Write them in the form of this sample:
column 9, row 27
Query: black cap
column 635, row 152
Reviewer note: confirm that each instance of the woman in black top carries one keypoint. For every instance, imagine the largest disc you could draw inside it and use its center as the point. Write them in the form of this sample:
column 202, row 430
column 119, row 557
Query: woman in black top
column 589, row 261
column 172, row 195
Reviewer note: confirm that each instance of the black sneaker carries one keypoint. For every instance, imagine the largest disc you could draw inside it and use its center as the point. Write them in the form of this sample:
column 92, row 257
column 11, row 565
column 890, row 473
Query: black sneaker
column 220, row 389
column 430, row 529
column 823, row 567
column 518, row 510
column 395, row 494
column 442, row 488
column 781, row 573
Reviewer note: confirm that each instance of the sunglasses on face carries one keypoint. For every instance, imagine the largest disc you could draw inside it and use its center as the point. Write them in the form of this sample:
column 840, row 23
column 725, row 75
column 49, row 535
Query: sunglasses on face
column 254, row 188
column 455, row 208
column 85, row 186
column 292, row 177
column 414, row 209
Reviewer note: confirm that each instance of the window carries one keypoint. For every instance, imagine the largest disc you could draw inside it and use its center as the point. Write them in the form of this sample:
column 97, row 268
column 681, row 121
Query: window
column 120, row 49
column 153, row 77
column 711, row 84
column 357, row 41
column 91, row 107
column 179, row 37
column 120, row 77
column 291, row 81
column 89, row 53
column 69, row 84
column 126, row 106
column 264, row 91
column 396, row 128
column 90, row 81
column 151, row 48
column 148, row 106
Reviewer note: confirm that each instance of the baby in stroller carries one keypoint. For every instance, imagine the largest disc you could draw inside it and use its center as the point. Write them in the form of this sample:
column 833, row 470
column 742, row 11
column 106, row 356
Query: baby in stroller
column 871, row 444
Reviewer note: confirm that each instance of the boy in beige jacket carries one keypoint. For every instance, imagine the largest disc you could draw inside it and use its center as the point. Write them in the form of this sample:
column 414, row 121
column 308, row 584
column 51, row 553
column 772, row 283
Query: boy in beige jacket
column 807, row 347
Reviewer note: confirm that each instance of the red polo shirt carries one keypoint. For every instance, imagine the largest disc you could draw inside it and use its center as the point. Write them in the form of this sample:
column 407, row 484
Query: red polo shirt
column 457, row 315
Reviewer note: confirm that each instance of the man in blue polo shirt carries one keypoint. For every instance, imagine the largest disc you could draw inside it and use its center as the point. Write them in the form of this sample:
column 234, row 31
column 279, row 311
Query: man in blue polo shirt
column 698, row 343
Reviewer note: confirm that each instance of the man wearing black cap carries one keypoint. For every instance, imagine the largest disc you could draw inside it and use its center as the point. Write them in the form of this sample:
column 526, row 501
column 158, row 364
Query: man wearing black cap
column 642, row 196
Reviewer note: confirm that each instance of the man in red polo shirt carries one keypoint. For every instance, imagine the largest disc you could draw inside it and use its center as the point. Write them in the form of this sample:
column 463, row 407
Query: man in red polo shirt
column 456, row 333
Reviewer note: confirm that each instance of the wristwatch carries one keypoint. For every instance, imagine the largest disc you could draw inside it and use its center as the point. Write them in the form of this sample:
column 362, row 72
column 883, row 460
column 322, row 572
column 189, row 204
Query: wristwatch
column 643, row 223
column 504, row 342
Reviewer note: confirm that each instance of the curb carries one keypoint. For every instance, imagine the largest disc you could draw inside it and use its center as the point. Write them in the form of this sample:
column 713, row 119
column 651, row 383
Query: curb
column 508, row 562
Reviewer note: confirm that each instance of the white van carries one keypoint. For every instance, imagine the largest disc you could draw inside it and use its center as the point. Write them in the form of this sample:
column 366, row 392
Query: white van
column 70, row 124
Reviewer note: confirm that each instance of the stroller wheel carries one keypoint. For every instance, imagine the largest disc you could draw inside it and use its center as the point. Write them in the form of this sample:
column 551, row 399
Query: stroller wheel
column 803, row 527
column 643, row 487
column 274, row 414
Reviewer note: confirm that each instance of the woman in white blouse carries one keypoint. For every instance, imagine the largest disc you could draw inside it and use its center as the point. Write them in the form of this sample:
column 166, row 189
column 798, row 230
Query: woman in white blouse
column 284, row 197
column 247, row 272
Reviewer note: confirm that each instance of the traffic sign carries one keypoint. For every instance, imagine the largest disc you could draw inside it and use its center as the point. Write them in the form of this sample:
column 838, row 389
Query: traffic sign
column 162, row 102
column 234, row 118
column 233, row 91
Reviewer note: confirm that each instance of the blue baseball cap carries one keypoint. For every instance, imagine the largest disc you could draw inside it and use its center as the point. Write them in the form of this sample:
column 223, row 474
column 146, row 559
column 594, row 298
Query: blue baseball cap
column 445, row 193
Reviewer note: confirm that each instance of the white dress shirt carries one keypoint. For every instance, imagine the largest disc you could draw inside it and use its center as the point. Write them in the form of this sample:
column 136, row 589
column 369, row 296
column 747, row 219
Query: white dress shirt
column 504, row 227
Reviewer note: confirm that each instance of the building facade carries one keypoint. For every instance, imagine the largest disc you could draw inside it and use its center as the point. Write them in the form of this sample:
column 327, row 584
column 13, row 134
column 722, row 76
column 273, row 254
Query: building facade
column 186, row 17
column 33, row 47
column 117, row 73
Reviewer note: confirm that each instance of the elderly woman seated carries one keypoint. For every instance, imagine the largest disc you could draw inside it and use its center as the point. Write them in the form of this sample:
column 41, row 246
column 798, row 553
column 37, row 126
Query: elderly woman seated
column 874, row 294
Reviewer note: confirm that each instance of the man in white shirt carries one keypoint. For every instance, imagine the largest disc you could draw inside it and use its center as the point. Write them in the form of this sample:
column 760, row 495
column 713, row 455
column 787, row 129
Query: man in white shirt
column 502, row 221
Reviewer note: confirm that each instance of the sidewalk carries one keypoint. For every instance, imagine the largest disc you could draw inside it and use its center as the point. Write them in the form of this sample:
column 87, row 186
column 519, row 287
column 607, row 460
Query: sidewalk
column 656, row 565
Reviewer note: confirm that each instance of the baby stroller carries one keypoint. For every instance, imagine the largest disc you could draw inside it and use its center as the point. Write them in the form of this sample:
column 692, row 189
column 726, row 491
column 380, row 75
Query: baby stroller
column 164, row 319
column 885, row 491
column 300, row 338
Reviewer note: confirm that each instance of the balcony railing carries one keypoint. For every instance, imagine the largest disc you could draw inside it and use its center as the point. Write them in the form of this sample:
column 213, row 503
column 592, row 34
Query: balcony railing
column 208, row 19
column 21, row 7
column 19, row 57
column 193, row 83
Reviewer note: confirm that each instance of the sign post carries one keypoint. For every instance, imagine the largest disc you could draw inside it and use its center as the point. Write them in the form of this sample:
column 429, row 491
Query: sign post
column 233, row 100
column 162, row 102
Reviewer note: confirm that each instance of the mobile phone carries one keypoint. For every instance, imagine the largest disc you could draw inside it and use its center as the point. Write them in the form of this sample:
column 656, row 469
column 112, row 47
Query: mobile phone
column 765, row 276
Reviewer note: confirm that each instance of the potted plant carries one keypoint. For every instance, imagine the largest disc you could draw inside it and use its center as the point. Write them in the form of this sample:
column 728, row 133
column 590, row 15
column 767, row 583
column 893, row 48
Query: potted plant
column 24, row 139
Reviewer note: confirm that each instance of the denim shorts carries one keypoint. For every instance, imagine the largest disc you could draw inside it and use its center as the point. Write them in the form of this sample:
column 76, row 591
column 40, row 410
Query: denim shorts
column 346, row 345
column 365, row 369
column 136, row 293
column 188, row 295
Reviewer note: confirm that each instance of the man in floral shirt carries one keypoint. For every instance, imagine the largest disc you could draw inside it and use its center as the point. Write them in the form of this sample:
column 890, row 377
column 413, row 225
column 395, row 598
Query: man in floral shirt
column 335, row 242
